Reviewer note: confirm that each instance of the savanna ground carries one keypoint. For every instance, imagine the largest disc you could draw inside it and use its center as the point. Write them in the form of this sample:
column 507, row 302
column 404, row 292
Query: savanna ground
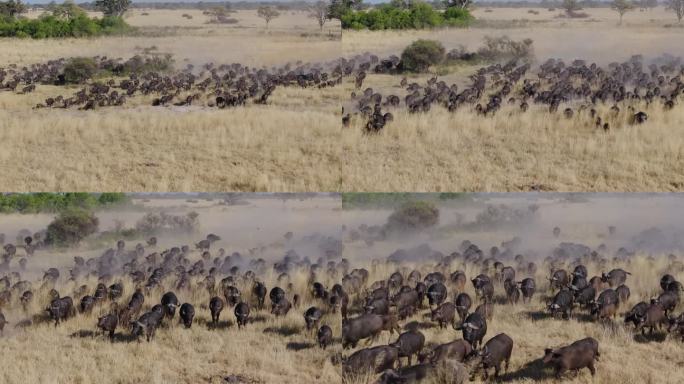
column 267, row 350
column 290, row 144
column 626, row 356
column 461, row 151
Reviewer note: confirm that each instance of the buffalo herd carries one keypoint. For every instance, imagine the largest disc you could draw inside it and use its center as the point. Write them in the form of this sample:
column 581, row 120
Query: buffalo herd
column 577, row 90
column 138, row 291
column 403, row 297
column 134, row 293
column 211, row 85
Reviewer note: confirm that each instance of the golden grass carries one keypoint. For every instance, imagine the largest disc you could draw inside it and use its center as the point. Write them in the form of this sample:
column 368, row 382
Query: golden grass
column 70, row 353
column 625, row 357
column 461, row 151
column 147, row 149
column 269, row 350
column 442, row 151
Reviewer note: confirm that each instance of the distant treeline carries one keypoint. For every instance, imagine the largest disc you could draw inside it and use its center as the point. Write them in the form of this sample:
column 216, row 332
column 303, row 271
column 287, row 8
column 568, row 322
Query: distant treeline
column 548, row 4
column 383, row 200
column 45, row 202
column 236, row 5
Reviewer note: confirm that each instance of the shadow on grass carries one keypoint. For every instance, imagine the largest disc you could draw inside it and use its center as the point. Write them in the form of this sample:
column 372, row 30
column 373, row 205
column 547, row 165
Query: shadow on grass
column 538, row 315
column 534, row 370
column 82, row 333
column 299, row 346
column 658, row 337
column 418, row 325
column 221, row 324
column 285, row 330
column 258, row 319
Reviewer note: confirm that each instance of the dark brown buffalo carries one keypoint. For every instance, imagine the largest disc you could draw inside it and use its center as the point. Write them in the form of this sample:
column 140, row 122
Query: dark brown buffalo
column 653, row 318
column 463, row 303
column 444, row 314
column 474, row 329
column 281, row 308
column 187, row 314
column 60, row 309
column 456, row 350
column 312, row 317
column 635, row 314
column 615, row 277
column 108, row 323
column 324, row 336
column 373, row 360
column 496, row 350
column 242, row 314
column 528, row 287
column 580, row 354
column 365, row 326
column 409, row 343
column 215, row 307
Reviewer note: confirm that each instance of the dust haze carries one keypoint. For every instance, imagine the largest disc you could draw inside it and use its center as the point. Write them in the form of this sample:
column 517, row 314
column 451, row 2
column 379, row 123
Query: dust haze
column 524, row 223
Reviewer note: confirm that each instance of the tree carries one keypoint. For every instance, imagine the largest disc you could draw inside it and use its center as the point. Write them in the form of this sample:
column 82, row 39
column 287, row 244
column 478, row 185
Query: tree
column 401, row 4
column 12, row 8
column 463, row 4
column 571, row 6
column 67, row 10
column 70, row 227
column 267, row 13
column 338, row 8
column 677, row 6
column 622, row 7
column 113, row 7
column 421, row 54
column 319, row 11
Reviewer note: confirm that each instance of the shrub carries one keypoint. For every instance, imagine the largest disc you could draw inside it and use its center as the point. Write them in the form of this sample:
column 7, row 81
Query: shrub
column 56, row 202
column 422, row 54
column 50, row 26
column 417, row 16
column 503, row 48
column 79, row 69
column 112, row 198
column 164, row 223
column 413, row 216
column 457, row 17
column 70, row 227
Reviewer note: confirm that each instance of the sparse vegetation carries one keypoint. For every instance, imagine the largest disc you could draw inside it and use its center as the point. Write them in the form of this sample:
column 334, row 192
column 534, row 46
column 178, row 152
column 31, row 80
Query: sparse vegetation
column 413, row 216
column 418, row 15
column 70, row 227
column 57, row 202
column 267, row 13
column 677, row 7
column 421, row 55
column 622, row 7
column 65, row 20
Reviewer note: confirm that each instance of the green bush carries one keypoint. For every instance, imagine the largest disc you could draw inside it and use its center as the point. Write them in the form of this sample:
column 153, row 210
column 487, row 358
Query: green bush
column 50, row 26
column 112, row 198
column 422, row 54
column 413, row 216
column 70, row 227
column 56, row 202
column 417, row 16
column 79, row 69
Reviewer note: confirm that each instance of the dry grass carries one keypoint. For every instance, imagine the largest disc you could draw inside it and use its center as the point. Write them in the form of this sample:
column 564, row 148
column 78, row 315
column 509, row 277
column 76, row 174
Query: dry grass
column 291, row 144
column 268, row 350
column 146, row 149
column 442, row 151
column 626, row 357
column 462, row 151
